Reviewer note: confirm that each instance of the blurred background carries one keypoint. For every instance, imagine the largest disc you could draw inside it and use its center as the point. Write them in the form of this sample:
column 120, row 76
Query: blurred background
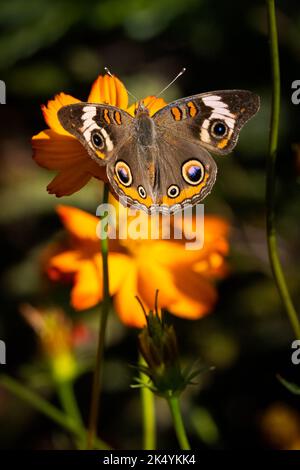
column 50, row 46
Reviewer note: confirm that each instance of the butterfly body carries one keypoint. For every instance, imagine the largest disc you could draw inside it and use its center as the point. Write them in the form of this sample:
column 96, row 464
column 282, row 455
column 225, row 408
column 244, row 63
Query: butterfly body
column 145, row 127
column 162, row 162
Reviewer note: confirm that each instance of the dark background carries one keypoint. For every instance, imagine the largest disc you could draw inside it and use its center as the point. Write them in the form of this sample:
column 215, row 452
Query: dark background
column 50, row 46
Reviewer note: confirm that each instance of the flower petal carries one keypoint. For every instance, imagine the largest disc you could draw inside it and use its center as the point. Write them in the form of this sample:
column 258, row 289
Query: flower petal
column 169, row 253
column 51, row 109
column 181, row 291
column 56, row 151
column 64, row 153
column 68, row 182
column 214, row 266
column 153, row 277
column 126, row 305
column 67, row 262
column 79, row 223
column 88, row 288
column 109, row 90
column 118, row 266
column 151, row 102
column 196, row 295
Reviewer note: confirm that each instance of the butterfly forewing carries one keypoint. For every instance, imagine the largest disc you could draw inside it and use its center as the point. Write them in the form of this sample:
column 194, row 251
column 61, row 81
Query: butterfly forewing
column 102, row 129
column 213, row 119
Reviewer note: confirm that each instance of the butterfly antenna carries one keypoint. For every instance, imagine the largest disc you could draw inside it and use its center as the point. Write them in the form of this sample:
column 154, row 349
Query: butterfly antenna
column 129, row 93
column 171, row 83
column 168, row 86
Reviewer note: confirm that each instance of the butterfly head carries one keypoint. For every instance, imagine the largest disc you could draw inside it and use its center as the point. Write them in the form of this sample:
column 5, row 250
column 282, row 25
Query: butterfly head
column 141, row 109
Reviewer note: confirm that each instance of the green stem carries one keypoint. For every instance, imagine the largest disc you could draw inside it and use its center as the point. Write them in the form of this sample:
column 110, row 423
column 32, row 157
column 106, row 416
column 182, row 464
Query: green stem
column 94, row 410
column 178, row 423
column 43, row 406
column 148, row 410
column 69, row 403
column 271, row 175
column 68, row 400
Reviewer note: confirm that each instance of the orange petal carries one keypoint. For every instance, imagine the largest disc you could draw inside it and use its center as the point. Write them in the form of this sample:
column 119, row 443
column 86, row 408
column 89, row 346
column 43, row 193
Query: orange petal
column 56, row 151
column 196, row 295
column 118, row 265
column 109, row 90
column 151, row 102
column 83, row 227
column 67, row 182
column 153, row 276
column 215, row 228
column 88, row 288
column 189, row 309
column 214, row 266
column 126, row 305
column 216, row 231
column 79, row 223
column 171, row 253
column 51, row 109
column 63, row 152
column 67, row 262
column 182, row 291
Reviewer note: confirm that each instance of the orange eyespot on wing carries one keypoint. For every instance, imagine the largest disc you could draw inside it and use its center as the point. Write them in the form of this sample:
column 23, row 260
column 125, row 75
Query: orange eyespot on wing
column 223, row 143
column 186, row 196
column 192, row 109
column 135, row 196
column 176, row 113
column 100, row 155
column 106, row 116
column 123, row 174
column 117, row 118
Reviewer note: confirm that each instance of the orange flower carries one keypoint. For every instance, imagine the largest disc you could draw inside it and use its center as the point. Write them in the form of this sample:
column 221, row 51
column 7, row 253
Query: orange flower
column 56, row 149
column 140, row 267
column 58, row 338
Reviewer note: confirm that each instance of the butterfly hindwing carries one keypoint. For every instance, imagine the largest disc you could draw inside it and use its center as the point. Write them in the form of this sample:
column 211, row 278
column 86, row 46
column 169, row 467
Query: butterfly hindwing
column 131, row 174
column 166, row 177
column 186, row 176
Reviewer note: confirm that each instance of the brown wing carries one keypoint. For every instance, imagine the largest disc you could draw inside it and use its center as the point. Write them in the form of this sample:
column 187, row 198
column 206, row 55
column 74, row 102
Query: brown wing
column 213, row 120
column 101, row 129
column 164, row 177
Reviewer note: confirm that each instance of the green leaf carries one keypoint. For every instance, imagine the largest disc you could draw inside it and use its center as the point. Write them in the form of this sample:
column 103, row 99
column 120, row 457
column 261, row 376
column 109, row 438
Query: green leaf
column 292, row 387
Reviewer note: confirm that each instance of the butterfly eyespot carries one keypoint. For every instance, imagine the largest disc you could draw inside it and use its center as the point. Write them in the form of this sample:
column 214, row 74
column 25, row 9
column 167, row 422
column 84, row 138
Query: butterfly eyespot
column 173, row 191
column 193, row 172
column 142, row 192
column 218, row 129
column 97, row 140
column 123, row 173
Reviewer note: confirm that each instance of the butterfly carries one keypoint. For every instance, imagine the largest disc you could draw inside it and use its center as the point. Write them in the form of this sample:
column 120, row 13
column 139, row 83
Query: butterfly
column 162, row 163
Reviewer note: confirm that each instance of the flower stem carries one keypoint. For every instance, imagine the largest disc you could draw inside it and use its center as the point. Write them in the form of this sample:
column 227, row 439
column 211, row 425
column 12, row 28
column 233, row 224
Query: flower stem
column 68, row 402
column 43, row 406
column 94, row 410
column 271, row 175
column 178, row 423
column 148, row 409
